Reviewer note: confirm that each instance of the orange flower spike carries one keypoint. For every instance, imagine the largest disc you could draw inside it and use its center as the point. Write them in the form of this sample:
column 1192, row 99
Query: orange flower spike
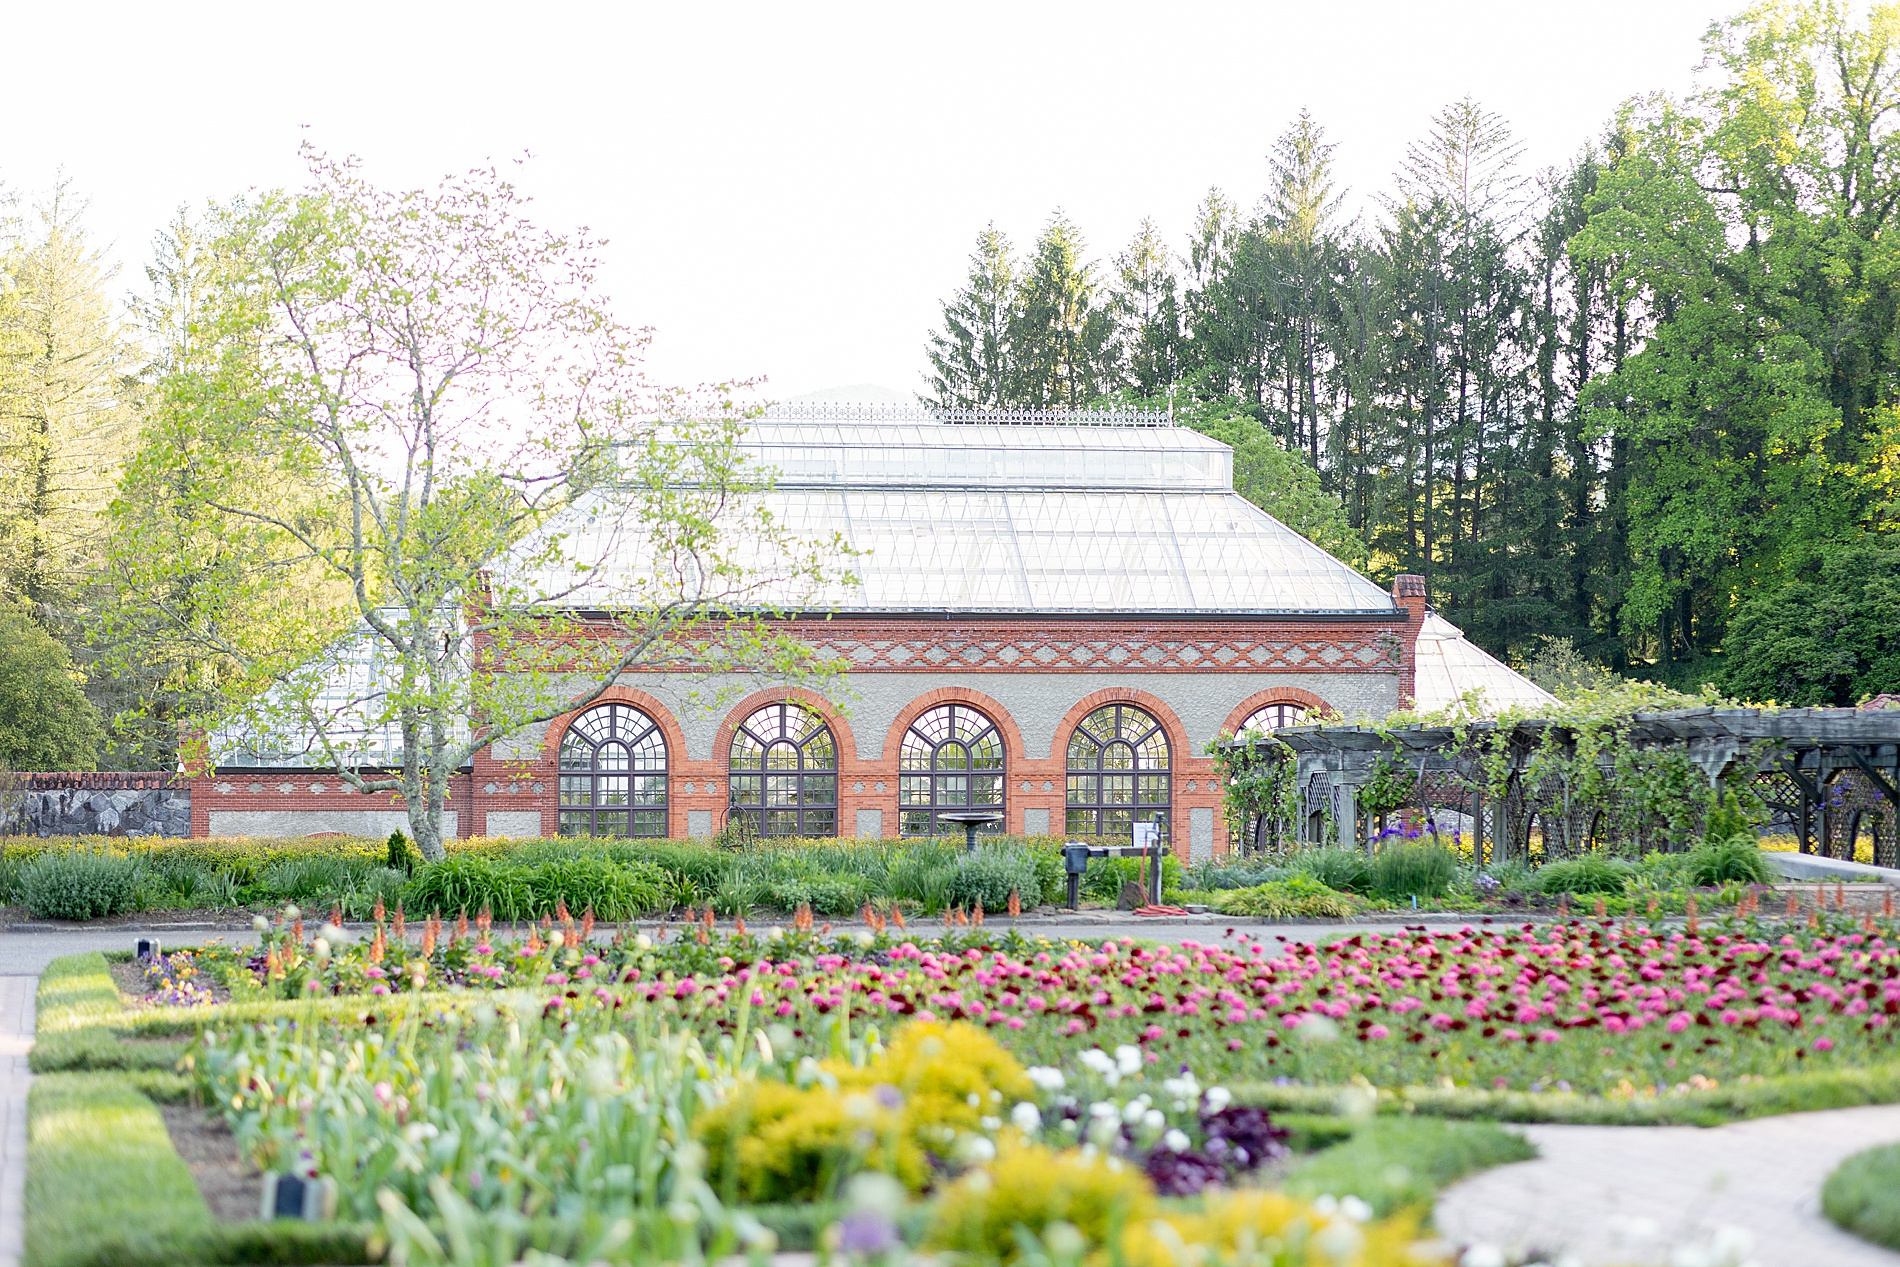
column 897, row 916
column 587, row 922
column 399, row 928
column 1015, row 903
column 977, row 919
column 378, row 912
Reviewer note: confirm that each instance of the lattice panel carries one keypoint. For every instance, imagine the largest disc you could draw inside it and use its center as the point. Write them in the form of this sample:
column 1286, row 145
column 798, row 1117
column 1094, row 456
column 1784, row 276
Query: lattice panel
column 1030, row 651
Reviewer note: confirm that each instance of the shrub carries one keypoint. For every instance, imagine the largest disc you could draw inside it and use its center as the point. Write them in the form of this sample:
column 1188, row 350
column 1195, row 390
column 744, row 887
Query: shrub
column 79, row 884
column 989, row 875
column 1029, row 1186
column 1296, row 897
column 1589, row 873
column 1735, row 860
column 468, row 884
column 400, row 856
column 615, row 891
column 1861, row 1197
column 1403, row 871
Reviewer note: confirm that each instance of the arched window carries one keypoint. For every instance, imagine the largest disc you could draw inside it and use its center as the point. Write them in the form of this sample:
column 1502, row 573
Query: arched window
column 1269, row 718
column 613, row 774
column 952, row 758
column 784, row 775
column 1118, row 772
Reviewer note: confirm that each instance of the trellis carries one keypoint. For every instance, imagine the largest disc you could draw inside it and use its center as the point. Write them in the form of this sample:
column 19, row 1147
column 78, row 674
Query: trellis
column 1831, row 777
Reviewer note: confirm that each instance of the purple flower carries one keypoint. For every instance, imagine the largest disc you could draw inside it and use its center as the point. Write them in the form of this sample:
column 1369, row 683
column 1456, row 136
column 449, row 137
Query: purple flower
column 867, row 1232
column 1184, row 1173
column 1246, row 1136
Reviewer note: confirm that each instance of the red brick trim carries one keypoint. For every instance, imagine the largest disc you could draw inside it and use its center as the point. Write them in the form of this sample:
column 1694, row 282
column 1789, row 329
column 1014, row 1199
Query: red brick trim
column 840, row 728
column 1272, row 695
column 648, row 704
column 1013, row 750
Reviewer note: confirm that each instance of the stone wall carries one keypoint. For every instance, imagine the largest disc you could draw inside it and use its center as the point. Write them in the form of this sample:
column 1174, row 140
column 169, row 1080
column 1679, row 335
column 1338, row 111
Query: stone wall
column 91, row 805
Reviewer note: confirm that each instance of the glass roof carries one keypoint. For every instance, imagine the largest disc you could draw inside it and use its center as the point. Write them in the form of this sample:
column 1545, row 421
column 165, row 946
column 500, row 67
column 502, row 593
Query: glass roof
column 1033, row 518
column 1449, row 664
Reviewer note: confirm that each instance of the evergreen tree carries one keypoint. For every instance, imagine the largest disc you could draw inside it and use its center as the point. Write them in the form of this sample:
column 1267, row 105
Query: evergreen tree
column 970, row 358
column 1061, row 336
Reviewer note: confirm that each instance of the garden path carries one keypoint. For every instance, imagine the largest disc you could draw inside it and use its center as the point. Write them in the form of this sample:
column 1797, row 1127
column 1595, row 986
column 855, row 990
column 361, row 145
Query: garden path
column 16, row 1039
column 1620, row 1194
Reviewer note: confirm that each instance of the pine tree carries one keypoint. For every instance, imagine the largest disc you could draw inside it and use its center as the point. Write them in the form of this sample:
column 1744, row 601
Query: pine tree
column 971, row 356
column 1148, row 314
column 65, row 409
column 1060, row 340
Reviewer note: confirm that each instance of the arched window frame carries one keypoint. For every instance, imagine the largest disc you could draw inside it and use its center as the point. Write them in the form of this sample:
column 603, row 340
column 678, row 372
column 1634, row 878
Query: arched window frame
column 613, row 774
column 798, row 796
column 1120, row 772
column 1270, row 717
column 933, row 778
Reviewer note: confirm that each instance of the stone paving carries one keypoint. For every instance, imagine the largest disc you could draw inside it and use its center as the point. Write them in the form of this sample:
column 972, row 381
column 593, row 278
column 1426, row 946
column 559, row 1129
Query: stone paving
column 1642, row 1194
column 16, row 1039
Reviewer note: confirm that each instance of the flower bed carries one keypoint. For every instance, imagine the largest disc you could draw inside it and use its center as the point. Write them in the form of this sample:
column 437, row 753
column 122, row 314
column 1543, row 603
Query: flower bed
column 1594, row 1006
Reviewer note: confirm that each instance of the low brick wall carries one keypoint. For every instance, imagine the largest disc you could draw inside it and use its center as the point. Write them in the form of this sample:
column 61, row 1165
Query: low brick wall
column 95, row 804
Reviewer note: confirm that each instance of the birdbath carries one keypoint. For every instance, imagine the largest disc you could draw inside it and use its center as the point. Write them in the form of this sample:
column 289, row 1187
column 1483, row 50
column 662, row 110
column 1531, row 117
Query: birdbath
column 971, row 819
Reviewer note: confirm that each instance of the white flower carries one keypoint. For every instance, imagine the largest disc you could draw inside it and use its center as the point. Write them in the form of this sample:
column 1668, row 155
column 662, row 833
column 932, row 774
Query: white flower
column 1133, row 1110
column 1097, row 1059
column 1047, row 1078
column 320, row 948
column 1482, row 1256
column 556, row 938
column 259, row 924
column 1027, row 1118
column 291, row 912
column 977, row 1151
column 1355, row 1209
column 1128, row 1060
column 1176, row 1141
column 1154, row 1120
column 642, row 941
column 775, row 933
column 1326, row 1205
column 864, row 939
column 1103, row 1109
column 1218, row 1098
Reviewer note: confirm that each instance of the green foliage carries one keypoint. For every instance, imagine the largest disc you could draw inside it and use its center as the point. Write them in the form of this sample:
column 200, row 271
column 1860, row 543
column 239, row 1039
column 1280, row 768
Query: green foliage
column 1397, row 1163
column 46, row 721
column 1862, row 1195
column 1735, row 860
column 989, row 876
column 1587, row 873
column 1296, row 897
column 1412, row 870
column 79, row 884
column 75, row 992
column 1825, row 634
column 516, row 891
column 1347, row 870
column 400, row 856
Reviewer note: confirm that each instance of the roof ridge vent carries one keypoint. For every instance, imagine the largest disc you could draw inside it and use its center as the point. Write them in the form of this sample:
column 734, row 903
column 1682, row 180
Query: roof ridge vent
column 834, row 411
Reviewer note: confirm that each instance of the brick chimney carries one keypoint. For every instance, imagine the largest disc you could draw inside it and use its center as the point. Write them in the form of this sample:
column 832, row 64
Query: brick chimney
column 1408, row 591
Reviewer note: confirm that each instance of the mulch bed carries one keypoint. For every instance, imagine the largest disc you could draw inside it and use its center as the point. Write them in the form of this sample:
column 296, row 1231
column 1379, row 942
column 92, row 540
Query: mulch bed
column 232, row 1187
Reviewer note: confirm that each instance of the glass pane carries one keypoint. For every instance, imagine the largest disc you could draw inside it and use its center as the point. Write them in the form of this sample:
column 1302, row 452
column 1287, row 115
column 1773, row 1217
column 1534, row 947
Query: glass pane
column 1084, row 789
column 610, row 789
column 781, row 789
column 934, row 726
column 915, row 822
column 1101, row 723
column 647, row 822
column 1154, row 789
column 1118, row 756
column 953, row 789
column 821, row 789
column 953, row 756
column 650, row 752
column 820, row 752
column 610, row 824
column 610, row 756
column 821, row 822
column 746, row 789
column 575, row 822
column 1081, row 748
column 781, row 756
column 1153, row 753
column 1081, row 822
column 781, row 822
column 577, row 789
column 576, row 753
column 987, row 753
column 1118, row 822
column 986, row 789
column 1118, row 789
column 649, row 789
column 915, row 754
column 746, row 752
column 913, row 789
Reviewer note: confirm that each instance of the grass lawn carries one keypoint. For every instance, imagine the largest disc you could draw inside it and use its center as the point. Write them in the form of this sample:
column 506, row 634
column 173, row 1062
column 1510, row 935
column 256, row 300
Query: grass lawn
column 1863, row 1195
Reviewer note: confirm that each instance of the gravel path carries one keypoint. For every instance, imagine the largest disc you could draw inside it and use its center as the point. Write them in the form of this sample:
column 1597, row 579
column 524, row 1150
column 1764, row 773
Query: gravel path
column 1622, row 1194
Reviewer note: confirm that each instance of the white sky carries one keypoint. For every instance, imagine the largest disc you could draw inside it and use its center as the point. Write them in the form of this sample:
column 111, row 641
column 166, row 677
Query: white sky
column 790, row 189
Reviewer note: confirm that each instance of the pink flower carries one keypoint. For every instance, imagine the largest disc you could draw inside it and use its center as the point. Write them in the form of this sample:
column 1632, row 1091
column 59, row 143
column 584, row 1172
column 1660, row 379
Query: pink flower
column 1824, row 1044
column 1679, row 1022
column 1377, row 1031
